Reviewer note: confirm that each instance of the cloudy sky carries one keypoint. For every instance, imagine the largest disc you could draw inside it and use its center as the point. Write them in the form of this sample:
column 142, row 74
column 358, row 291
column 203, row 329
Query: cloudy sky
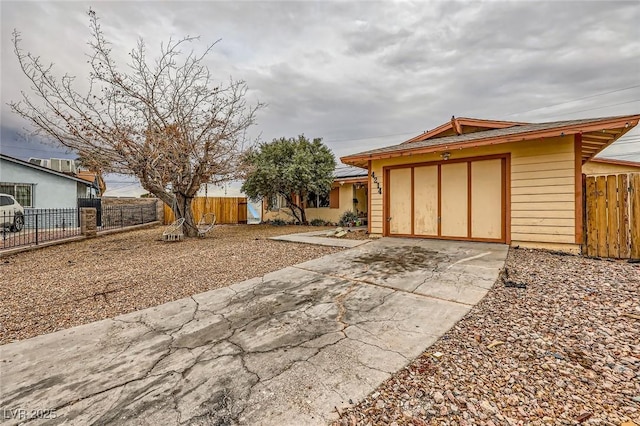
column 364, row 74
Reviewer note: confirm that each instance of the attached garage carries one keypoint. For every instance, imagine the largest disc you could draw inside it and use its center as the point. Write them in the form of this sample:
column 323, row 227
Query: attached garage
column 463, row 199
column 493, row 181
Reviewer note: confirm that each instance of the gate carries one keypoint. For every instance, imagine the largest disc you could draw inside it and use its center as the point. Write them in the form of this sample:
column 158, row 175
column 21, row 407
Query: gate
column 612, row 210
column 242, row 211
column 96, row 203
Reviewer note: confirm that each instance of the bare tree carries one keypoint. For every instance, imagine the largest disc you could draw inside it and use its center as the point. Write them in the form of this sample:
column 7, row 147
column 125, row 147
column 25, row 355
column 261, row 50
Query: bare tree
column 163, row 120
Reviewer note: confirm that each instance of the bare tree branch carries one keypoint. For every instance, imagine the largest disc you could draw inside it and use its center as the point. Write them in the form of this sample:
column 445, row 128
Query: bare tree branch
column 164, row 120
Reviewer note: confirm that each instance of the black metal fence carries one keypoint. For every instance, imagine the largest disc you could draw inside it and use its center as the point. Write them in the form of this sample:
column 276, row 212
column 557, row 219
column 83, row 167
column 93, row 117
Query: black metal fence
column 37, row 226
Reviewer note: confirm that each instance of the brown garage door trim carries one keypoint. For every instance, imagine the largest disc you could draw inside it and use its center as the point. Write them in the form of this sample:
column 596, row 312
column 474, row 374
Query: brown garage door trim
column 505, row 208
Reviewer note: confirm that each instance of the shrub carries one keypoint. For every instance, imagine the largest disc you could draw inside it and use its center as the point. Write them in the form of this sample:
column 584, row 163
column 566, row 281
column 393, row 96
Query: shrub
column 348, row 218
column 278, row 222
column 318, row 222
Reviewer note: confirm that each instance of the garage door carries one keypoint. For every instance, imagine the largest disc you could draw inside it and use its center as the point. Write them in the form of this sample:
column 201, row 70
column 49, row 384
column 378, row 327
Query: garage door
column 454, row 200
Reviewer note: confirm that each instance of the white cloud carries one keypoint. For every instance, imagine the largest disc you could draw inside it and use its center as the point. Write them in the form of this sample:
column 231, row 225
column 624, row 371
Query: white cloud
column 353, row 71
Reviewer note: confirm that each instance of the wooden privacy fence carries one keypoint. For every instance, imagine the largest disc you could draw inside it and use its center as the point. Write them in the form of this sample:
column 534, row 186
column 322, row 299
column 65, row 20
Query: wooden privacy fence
column 228, row 210
column 612, row 210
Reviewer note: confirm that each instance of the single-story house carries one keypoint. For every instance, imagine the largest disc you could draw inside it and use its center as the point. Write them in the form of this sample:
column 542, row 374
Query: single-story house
column 40, row 187
column 483, row 180
column 608, row 166
column 349, row 192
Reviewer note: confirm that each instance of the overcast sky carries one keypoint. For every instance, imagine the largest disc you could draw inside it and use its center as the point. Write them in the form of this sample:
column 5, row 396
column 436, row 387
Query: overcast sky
column 365, row 74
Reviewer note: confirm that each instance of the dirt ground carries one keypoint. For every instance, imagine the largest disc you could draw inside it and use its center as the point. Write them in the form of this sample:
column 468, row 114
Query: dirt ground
column 353, row 234
column 63, row 286
column 356, row 234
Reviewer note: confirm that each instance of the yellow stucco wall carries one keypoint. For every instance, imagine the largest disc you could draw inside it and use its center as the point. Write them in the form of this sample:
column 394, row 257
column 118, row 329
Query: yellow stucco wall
column 324, row 213
column 542, row 188
column 591, row 168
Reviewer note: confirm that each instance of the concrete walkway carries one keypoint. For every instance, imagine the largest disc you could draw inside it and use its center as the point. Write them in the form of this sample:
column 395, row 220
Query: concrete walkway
column 283, row 349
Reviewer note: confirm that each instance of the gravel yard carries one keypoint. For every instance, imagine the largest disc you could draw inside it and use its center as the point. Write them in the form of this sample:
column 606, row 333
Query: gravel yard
column 63, row 286
column 560, row 345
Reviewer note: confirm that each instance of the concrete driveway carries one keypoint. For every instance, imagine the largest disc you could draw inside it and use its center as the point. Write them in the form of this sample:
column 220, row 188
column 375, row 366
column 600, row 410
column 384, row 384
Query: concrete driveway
column 286, row 348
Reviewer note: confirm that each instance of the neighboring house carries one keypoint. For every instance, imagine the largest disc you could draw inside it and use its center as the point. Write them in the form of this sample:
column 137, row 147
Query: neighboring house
column 348, row 193
column 93, row 177
column 605, row 166
column 40, row 187
column 494, row 181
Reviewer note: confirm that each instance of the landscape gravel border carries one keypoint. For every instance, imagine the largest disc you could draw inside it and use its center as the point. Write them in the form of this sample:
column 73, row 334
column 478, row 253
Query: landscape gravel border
column 555, row 341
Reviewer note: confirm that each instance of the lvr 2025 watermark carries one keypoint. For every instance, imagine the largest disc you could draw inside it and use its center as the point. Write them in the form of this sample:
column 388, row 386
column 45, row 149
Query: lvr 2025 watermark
column 26, row 414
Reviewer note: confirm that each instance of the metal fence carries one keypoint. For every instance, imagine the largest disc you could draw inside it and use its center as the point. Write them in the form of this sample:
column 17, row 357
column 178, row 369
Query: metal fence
column 121, row 216
column 40, row 225
column 43, row 225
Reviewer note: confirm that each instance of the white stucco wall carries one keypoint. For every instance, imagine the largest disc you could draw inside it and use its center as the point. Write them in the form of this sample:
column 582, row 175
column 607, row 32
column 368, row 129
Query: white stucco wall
column 50, row 191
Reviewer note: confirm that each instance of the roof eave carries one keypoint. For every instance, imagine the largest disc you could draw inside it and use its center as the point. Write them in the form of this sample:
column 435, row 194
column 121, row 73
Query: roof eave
column 45, row 169
column 356, row 179
column 624, row 121
column 616, row 161
column 464, row 121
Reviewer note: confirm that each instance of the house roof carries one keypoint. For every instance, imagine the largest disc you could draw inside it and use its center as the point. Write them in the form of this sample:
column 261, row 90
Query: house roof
column 86, row 175
column 597, row 134
column 459, row 125
column 343, row 171
column 349, row 174
column 45, row 169
column 616, row 161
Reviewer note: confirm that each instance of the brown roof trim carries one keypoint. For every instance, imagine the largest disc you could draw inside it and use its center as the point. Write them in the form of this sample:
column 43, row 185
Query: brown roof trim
column 617, row 162
column 359, row 179
column 464, row 121
column 573, row 128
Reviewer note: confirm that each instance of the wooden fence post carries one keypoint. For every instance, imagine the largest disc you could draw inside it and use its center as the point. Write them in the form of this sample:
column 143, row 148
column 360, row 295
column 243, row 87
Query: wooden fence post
column 634, row 217
column 592, row 230
column 623, row 216
column 613, row 230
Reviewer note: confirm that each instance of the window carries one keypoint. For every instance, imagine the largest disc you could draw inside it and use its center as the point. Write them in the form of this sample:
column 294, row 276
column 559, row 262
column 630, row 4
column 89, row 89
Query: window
column 22, row 192
column 315, row 200
column 277, row 202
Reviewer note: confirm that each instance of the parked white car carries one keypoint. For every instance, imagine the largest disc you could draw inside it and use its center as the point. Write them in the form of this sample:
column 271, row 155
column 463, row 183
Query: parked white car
column 11, row 213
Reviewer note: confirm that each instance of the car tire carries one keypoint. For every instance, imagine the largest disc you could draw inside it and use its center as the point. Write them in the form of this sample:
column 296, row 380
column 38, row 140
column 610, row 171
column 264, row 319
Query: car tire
column 18, row 223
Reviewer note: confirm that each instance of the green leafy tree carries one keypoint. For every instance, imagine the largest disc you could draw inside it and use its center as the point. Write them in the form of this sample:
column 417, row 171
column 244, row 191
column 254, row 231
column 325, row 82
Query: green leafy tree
column 292, row 168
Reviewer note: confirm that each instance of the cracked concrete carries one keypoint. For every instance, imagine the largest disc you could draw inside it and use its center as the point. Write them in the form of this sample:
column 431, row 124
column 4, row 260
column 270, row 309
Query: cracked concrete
column 286, row 348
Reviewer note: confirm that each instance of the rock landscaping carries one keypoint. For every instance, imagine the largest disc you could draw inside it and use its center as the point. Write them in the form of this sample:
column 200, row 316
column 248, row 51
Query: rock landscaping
column 556, row 341
column 348, row 233
column 54, row 288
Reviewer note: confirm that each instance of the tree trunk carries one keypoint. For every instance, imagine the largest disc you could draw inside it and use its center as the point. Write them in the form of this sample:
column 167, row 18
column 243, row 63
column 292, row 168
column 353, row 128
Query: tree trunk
column 182, row 208
column 303, row 216
column 298, row 213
